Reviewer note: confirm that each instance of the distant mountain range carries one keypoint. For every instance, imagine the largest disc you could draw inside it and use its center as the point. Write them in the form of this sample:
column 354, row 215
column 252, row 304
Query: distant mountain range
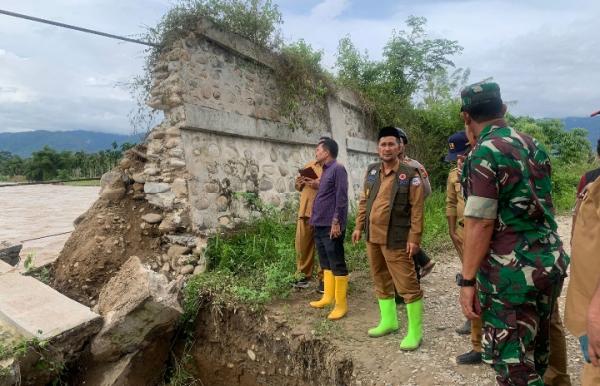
column 592, row 125
column 25, row 143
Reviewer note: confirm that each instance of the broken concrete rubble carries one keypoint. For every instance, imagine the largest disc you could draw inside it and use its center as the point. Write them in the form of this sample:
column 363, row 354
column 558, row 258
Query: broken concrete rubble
column 137, row 303
column 30, row 310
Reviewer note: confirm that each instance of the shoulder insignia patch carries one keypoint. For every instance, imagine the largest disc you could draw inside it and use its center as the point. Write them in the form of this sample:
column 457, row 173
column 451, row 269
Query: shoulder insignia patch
column 416, row 181
column 402, row 177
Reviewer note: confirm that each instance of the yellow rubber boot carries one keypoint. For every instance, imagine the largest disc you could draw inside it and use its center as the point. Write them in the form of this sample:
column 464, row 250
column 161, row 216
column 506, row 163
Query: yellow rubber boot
column 341, row 303
column 329, row 290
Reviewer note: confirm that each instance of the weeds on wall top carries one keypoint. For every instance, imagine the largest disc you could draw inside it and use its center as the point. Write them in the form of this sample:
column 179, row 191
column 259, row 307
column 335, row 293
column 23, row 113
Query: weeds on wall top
column 256, row 20
column 301, row 77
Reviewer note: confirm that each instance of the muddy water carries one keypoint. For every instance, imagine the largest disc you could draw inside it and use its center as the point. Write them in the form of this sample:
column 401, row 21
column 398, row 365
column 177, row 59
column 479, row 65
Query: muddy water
column 28, row 212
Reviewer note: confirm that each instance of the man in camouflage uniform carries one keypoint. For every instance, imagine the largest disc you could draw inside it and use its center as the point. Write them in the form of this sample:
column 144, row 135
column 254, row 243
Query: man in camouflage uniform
column 511, row 244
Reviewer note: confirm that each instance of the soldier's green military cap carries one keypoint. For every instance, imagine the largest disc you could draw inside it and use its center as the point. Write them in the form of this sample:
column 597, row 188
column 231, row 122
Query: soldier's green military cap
column 479, row 94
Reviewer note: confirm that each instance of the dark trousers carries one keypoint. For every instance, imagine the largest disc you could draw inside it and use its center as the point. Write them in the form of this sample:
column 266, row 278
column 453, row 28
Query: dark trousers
column 331, row 251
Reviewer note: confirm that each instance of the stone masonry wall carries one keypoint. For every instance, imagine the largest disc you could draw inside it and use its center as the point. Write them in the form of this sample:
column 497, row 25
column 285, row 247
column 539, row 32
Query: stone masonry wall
column 224, row 134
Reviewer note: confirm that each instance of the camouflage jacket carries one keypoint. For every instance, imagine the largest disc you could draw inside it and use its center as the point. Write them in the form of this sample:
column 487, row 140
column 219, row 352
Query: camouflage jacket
column 507, row 178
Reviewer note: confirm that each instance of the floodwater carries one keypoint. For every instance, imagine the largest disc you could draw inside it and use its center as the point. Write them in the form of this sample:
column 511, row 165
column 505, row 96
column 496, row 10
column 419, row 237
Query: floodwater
column 35, row 211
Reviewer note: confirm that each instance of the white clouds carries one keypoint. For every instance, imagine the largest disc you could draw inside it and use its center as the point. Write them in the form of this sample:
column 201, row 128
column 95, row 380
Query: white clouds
column 15, row 94
column 13, row 85
column 11, row 94
column 329, row 9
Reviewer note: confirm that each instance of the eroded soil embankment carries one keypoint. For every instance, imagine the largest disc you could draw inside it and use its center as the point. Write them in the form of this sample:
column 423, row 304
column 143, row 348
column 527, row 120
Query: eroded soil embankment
column 241, row 347
column 105, row 237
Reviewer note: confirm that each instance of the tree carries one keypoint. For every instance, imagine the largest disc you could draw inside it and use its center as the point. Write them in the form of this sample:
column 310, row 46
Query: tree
column 43, row 165
column 442, row 85
column 567, row 147
column 410, row 60
column 411, row 57
column 10, row 164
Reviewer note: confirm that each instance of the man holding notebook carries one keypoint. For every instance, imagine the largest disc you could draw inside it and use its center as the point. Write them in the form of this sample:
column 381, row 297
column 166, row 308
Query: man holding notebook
column 307, row 183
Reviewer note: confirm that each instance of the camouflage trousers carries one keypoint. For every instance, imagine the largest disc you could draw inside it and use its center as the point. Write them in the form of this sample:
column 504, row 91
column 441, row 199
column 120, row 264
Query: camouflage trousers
column 516, row 334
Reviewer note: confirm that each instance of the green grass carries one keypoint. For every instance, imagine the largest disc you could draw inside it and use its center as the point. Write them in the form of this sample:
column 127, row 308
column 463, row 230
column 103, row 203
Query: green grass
column 47, row 358
column 435, row 232
column 251, row 265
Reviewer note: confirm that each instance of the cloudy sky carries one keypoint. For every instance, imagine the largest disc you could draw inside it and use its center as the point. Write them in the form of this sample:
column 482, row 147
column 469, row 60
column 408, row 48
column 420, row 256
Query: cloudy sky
column 545, row 54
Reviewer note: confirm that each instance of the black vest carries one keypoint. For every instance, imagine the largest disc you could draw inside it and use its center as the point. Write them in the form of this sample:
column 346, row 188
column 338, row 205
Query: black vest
column 400, row 208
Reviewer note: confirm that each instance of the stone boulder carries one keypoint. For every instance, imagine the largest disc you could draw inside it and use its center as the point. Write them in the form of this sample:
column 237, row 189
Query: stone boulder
column 139, row 306
column 113, row 186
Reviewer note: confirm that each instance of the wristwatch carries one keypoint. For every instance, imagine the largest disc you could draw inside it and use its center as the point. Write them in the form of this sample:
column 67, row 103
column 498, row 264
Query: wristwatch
column 462, row 282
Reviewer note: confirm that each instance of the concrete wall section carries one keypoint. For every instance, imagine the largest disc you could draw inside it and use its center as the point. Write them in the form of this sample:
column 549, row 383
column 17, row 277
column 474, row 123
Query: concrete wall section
column 238, row 125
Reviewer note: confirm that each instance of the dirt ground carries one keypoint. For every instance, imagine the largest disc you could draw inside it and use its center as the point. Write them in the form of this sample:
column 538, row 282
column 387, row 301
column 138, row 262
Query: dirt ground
column 33, row 211
column 380, row 361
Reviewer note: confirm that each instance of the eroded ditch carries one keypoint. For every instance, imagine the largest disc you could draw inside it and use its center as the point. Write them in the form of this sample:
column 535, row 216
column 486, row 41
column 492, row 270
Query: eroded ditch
column 231, row 346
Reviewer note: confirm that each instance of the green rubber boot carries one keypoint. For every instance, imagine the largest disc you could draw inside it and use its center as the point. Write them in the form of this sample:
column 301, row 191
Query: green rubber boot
column 414, row 336
column 388, row 322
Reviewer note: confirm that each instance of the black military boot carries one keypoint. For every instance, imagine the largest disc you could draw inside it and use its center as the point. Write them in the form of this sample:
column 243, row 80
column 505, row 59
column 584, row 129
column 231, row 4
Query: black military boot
column 469, row 358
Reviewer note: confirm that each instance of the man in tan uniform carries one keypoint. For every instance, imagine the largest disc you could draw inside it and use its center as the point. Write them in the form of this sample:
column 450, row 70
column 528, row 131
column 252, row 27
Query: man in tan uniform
column 391, row 214
column 458, row 147
column 582, row 311
column 305, row 242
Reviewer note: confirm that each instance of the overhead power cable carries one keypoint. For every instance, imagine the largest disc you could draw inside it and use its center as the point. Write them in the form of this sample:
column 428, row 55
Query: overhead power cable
column 45, row 237
column 81, row 29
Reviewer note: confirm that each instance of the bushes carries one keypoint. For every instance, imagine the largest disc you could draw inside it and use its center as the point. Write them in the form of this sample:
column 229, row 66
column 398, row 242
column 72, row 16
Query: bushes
column 256, row 20
column 435, row 234
column 565, row 178
column 429, row 129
